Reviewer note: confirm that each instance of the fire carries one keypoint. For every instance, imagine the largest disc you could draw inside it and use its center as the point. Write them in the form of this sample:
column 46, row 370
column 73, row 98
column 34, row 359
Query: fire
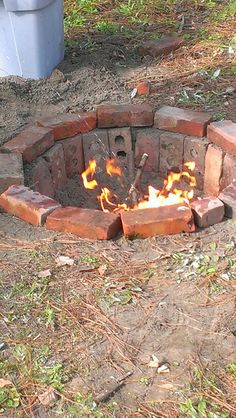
column 168, row 195
column 112, row 169
column 89, row 184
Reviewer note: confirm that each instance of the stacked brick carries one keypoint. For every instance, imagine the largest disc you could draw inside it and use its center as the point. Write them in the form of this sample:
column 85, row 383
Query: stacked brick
column 58, row 148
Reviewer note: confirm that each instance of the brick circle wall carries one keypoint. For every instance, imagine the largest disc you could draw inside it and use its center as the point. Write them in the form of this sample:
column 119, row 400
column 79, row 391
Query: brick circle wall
column 58, row 148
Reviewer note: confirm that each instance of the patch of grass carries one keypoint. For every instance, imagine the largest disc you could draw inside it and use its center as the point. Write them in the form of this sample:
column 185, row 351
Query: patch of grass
column 91, row 260
column 107, row 26
column 232, row 368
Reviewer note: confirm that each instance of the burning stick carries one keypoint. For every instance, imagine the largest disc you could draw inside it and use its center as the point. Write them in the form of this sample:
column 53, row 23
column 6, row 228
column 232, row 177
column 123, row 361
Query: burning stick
column 135, row 189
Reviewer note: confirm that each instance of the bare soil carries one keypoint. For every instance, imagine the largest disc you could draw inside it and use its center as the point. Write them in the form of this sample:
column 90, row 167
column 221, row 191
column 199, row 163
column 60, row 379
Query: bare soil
column 123, row 301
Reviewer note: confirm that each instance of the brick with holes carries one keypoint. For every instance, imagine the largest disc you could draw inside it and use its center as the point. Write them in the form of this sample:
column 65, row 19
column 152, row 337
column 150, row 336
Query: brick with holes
column 27, row 205
column 120, row 143
column 207, row 211
column 85, row 223
column 165, row 220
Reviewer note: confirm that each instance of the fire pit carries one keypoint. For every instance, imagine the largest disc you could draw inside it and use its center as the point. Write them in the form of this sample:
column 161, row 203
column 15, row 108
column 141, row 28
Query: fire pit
column 121, row 168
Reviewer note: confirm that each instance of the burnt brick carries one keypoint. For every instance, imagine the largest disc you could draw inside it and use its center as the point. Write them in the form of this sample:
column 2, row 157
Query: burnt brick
column 85, row 223
column 11, row 171
column 195, row 150
column 161, row 46
column 164, row 220
column 148, row 141
column 229, row 171
column 96, row 147
column 119, row 115
column 55, row 159
column 213, row 170
column 41, row 179
column 228, row 197
column 30, row 143
column 73, row 155
column 120, row 143
column 171, row 152
column 184, row 121
column 207, row 211
column 223, row 134
column 28, row 205
column 70, row 124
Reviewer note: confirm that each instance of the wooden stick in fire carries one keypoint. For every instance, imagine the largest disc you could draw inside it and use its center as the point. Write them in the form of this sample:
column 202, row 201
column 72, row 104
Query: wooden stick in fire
column 135, row 189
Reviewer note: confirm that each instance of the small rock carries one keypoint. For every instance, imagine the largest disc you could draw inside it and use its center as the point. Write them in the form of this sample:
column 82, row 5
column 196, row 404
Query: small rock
column 64, row 260
column 230, row 90
column 57, row 76
column 164, row 368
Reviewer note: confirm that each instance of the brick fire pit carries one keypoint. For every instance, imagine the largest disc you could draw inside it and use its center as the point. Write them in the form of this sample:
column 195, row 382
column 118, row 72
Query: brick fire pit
column 39, row 161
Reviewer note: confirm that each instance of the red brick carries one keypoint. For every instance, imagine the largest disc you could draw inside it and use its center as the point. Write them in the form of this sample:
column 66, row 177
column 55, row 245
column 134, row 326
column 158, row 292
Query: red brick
column 213, row 170
column 55, row 159
column 143, row 223
column 195, row 150
column 11, row 171
column 41, row 179
column 229, row 171
column 207, row 211
column 85, row 223
column 171, row 152
column 143, row 88
column 161, row 46
column 148, row 141
column 25, row 204
column 31, row 143
column 70, row 124
column 96, row 147
column 73, row 155
column 118, row 115
column 183, row 121
column 223, row 134
column 228, row 197
column 120, row 143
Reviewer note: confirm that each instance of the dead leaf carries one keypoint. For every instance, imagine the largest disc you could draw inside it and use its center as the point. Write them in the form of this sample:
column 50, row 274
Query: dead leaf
column 102, row 269
column 166, row 386
column 5, row 382
column 44, row 273
column 48, row 397
column 154, row 362
column 64, row 260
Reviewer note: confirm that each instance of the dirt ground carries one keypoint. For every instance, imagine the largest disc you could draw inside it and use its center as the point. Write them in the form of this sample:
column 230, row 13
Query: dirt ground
column 81, row 329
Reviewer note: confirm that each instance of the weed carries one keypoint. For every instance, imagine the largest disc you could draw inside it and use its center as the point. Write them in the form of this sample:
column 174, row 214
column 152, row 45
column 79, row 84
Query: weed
column 144, row 380
column 91, row 260
column 74, row 19
column 107, row 26
column 9, row 398
column 231, row 367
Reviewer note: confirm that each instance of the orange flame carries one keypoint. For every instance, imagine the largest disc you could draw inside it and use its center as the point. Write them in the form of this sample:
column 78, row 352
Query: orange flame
column 169, row 195
column 90, row 170
column 112, row 169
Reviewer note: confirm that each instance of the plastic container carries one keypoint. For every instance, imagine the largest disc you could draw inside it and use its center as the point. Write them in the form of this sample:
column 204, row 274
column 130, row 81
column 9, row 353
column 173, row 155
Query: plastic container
column 31, row 37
